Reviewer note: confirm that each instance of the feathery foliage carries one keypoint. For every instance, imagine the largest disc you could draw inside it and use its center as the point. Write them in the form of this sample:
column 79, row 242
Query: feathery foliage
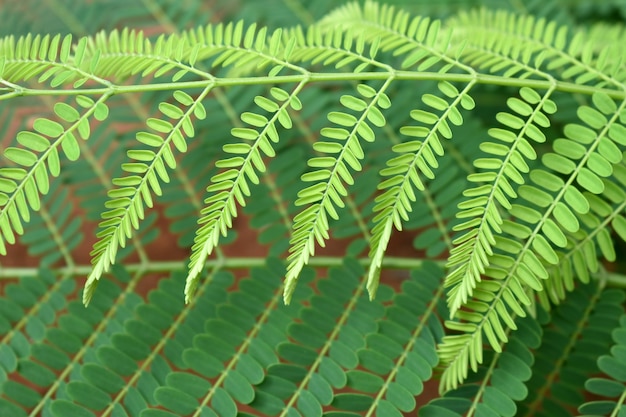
column 493, row 137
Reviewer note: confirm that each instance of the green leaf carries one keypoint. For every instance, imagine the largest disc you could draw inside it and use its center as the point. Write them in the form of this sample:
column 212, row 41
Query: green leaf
column 66, row 112
column 352, row 402
column 223, row 404
column 66, row 46
column 604, row 103
column 170, row 110
column 543, row 248
column 605, row 387
column 20, row 394
column 21, row 156
column 152, row 412
column 592, row 117
column 342, row 119
column 400, row 397
column 159, row 125
column 554, row 233
column 353, row 103
column 613, row 367
column 239, row 387
column 619, row 225
column 88, row 395
column 33, row 141
column 590, row 181
column 175, row 400
column 566, row 218
column 48, row 127
column 364, row 381
column 576, row 200
column 63, row 408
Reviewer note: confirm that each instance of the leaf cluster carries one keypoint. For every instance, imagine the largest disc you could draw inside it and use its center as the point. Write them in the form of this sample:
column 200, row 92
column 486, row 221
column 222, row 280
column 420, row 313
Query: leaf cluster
column 494, row 139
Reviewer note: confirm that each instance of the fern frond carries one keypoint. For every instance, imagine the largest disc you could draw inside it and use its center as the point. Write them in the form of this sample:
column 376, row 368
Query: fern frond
column 25, row 58
column 234, row 364
column 591, row 154
column 580, row 330
column 231, row 186
column 579, row 157
column 416, row 330
column 414, row 158
column 129, row 53
column 580, row 259
column 532, row 176
column 23, row 183
column 126, row 204
column 320, row 45
column 512, row 275
column 611, row 384
column 311, row 225
column 539, row 43
column 418, row 39
column 486, row 202
column 502, row 377
column 312, row 350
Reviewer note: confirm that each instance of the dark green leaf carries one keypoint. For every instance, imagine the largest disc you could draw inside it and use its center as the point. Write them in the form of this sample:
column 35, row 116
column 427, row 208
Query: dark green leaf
column 352, row 402
column 175, row 400
column 64, row 408
column 88, row 395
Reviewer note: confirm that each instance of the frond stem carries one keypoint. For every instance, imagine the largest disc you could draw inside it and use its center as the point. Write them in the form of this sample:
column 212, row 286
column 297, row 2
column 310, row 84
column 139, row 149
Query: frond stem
column 389, row 262
column 561, row 86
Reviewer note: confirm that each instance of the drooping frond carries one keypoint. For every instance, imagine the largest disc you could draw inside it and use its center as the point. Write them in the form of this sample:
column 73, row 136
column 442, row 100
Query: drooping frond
column 126, row 204
column 311, row 225
column 231, row 186
column 38, row 158
column 580, row 260
column 414, row 158
column 500, row 177
column 547, row 215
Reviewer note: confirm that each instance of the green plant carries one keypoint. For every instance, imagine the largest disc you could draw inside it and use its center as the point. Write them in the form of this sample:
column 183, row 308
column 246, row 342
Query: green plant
column 495, row 138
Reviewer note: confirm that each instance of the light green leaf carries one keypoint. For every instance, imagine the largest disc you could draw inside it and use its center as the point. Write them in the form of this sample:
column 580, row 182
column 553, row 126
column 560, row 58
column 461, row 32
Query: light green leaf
column 592, row 117
column 590, row 181
column 619, row 225
column 566, row 218
column 576, row 200
column 335, row 133
column 376, row 117
column 21, row 156
column 33, row 141
column 604, row 103
column 159, row 125
column 70, row 147
column 170, row 110
column 543, row 249
column 342, row 119
column 48, row 127
column 353, row 103
column 66, row 112
column 554, row 233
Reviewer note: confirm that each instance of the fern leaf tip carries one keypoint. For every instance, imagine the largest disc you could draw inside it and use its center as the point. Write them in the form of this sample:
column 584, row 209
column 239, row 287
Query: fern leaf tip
column 373, row 281
column 90, row 288
column 290, row 286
